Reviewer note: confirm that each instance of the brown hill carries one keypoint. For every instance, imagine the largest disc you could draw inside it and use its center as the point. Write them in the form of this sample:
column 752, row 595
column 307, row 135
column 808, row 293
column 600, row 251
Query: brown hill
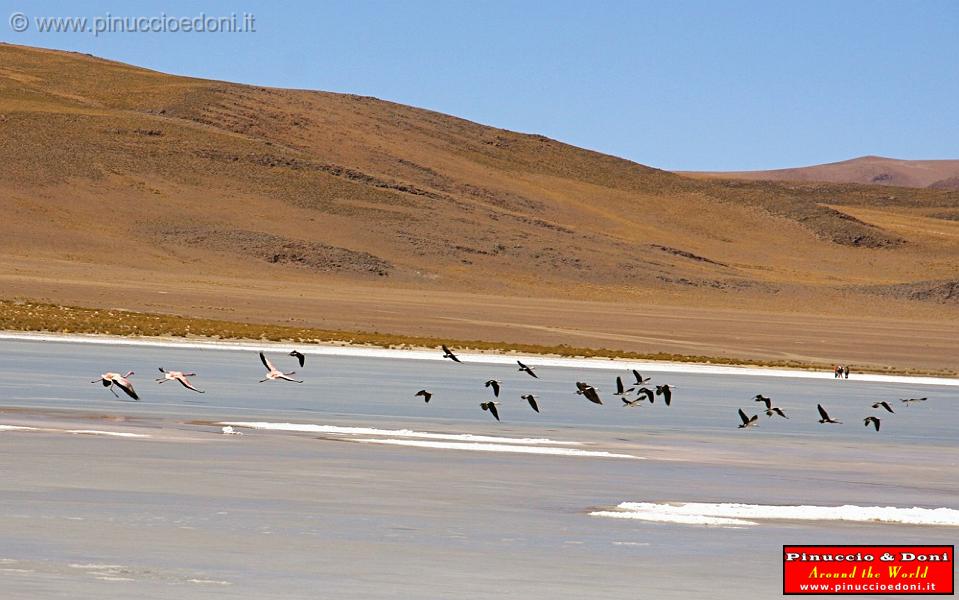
column 123, row 187
column 869, row 170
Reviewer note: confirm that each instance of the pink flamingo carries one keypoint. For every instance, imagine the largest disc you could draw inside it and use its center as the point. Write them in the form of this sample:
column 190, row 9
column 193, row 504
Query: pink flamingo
column 272, row 373
column 115, row 379
column 178, row 376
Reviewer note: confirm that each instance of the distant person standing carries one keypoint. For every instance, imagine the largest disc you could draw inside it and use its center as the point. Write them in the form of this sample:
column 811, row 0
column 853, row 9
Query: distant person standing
column 845, row 372
column 837, row 372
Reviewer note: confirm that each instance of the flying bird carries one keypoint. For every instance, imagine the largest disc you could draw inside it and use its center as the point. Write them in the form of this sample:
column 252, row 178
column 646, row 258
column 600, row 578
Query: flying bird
column 747, row 421
column 115, row 379
column 645, row 391
column 523, row 368
column 640, row 380
column 178, row 376
column 272, row 373
column 666, row 391
column 532, row 401
column 447, row 353
column 620, row 390
column 426, row 395
column 908, row 401
column 770, row 409
column 491, row 407
column 885, row 405
column 873, row 420
column 764, row 399
column 825, row 416
column 299, row 356
column 632, row 403
column 584, row 389
column 492, row 383
column 775, row 410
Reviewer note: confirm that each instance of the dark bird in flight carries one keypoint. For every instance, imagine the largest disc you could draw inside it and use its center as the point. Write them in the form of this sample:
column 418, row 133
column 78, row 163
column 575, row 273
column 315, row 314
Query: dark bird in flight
column 825, row 416
column 747, row 421
column 632, row 403
column 873, row 420
column 885, row 405
column 775, row 410
column 523, row 368
column 426, row 395
column 584, row 389
column 299, row 356
column 115, row 379
column 640, row 380
column 447, row 353
column 645, row 391
column 273, row 374
column 178, row 376
column 620, row 390
column 770, row 409
column 908, row 401
column 495, row 385
column 490, row 406
column 666, row 391
column 532, row 401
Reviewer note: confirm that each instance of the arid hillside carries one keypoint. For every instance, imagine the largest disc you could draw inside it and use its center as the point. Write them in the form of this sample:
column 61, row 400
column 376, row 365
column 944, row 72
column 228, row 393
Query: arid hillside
column 868, row 170
column 123, row 187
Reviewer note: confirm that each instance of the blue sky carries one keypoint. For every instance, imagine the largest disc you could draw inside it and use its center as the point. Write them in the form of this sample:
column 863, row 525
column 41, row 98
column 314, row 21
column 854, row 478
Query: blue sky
column 677, row 85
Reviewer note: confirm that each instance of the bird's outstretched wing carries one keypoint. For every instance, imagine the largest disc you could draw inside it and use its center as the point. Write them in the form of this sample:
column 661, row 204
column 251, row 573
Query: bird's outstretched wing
column 823, row 413
column 127, row 387
column 742, row 415
column 266, row 362
column 186, row 383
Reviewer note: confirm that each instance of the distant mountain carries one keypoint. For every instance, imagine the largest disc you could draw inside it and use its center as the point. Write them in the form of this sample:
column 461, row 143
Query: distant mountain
column 870, row 170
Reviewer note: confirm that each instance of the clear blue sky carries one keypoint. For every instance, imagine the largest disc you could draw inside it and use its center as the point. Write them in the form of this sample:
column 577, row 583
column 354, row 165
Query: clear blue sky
column 677, row 85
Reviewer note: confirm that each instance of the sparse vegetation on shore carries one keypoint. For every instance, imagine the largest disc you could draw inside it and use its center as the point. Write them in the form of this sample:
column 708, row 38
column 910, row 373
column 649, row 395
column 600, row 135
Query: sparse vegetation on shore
column 39, row 317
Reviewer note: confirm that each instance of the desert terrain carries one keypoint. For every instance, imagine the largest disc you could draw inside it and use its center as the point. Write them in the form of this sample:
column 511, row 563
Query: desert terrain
column 126, row 188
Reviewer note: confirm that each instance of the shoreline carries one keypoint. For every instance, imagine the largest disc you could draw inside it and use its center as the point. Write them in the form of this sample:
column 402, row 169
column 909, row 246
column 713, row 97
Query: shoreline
column 502, row 357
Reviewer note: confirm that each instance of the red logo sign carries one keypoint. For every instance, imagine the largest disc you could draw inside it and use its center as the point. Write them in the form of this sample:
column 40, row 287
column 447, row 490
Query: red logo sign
column 920, row 570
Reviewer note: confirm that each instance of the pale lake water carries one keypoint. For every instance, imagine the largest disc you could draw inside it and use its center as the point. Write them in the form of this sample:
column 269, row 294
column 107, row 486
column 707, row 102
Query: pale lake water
column 328, row 512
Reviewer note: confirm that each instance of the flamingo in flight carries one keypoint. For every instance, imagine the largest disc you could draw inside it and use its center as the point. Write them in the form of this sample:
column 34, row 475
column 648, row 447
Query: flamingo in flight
column 115, row 379
column 272, row 373
column 178, row 376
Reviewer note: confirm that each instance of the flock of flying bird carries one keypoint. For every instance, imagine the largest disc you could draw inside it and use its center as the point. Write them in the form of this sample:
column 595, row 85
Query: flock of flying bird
column 591, row 393
column 824, row 417
column 111, row 380
column 583, row 389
